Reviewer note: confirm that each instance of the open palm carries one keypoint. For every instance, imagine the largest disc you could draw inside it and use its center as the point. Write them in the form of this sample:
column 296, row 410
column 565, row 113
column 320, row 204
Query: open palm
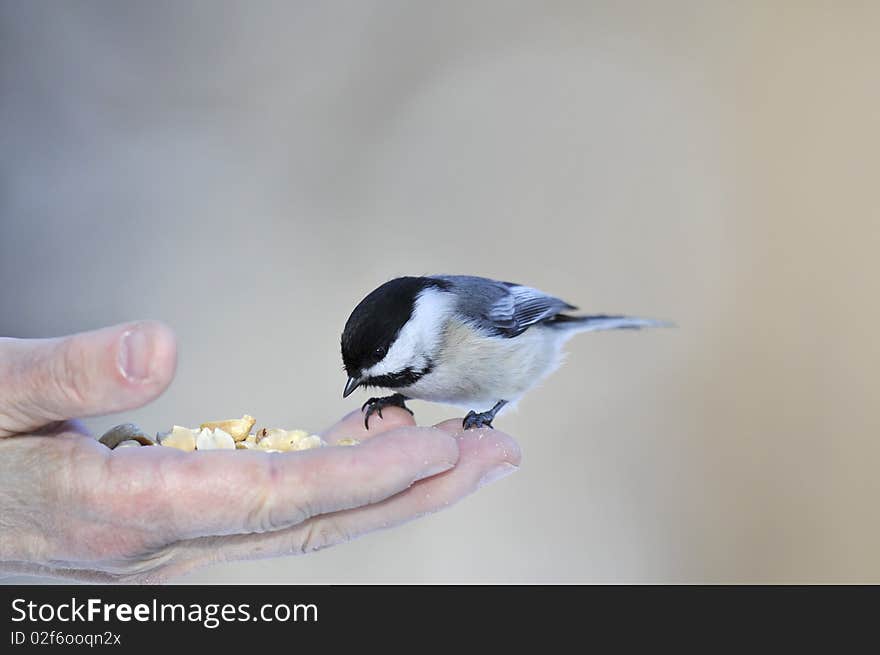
column 70, row 507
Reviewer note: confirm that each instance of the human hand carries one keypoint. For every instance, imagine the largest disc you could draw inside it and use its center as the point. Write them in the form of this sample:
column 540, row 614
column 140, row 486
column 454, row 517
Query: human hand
column 70, row 507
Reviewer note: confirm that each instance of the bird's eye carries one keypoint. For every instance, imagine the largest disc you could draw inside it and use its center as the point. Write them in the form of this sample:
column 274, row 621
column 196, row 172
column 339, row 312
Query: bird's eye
column 381, row 350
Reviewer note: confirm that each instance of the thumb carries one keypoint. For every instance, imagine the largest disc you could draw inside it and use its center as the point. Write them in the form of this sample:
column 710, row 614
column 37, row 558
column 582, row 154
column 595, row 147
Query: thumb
column 91, row 373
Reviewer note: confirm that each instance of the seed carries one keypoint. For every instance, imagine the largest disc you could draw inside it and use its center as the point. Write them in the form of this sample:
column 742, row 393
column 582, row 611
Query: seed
column 113, row 437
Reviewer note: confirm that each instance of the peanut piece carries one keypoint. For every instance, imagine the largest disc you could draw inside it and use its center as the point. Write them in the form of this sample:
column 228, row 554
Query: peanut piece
column 179, row 437
column 215, row 439
column 237, row 428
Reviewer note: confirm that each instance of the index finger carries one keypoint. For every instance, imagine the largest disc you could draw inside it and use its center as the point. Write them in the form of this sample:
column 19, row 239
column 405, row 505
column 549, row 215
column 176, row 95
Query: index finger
column 352, row 424
column 184, row 495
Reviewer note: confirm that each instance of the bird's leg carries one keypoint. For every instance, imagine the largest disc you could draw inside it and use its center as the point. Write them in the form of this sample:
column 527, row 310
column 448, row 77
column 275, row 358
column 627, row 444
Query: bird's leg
column 483, row 419
column 375, row 405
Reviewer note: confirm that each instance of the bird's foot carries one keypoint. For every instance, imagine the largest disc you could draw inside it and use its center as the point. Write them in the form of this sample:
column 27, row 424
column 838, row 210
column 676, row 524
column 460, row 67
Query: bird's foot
column 475, row 420
column 375, row 405
column 482, row 419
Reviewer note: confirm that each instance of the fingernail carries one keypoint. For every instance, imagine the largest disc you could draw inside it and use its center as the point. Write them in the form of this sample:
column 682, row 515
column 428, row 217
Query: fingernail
column 136, row 354
column 500, row 471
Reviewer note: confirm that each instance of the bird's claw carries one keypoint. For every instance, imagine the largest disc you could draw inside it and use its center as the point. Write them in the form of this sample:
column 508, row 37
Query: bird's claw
column 477, row 420
column 375, row 405
column 482, row 419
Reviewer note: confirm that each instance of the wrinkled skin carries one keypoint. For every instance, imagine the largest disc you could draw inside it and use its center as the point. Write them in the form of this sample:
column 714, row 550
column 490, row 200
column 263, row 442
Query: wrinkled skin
column 70, row 507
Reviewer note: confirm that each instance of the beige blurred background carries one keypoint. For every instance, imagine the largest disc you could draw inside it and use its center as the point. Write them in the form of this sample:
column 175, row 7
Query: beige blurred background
column 248, row 171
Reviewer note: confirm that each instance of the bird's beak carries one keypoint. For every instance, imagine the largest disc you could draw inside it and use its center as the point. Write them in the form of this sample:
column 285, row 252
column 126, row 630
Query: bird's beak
column 352, row 384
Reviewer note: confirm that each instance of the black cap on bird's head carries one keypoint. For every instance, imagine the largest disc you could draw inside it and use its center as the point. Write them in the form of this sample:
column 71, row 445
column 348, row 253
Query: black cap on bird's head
column 375, row 323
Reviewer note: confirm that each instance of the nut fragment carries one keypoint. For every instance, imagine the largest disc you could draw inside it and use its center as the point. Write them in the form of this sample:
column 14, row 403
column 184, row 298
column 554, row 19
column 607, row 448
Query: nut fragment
column 274, row 439
column 310, row 441
column 237, row 428
column 179, row 437
column 128, row 443
column 232, row 434
column 348, row 441
column 284, row 440
column 215, row 439
column 113, row 437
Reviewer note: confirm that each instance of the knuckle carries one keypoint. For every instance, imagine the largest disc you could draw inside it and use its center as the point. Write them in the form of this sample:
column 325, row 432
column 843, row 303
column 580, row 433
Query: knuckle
column 83, row 483
column 267, row 515
column 73, row 476
column 140, row 566
column 323, row 533
column 68, row 374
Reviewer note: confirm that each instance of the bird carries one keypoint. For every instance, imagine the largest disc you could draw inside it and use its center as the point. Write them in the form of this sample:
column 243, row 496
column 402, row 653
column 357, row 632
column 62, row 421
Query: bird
column 462, row 340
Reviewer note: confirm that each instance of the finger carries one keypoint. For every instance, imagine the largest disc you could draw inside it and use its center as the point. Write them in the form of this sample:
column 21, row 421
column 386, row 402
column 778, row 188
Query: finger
column 484, row 456
column 99, row 372
column 454, row 426
column 352, row 424
column 185, row 495
column 73, row 427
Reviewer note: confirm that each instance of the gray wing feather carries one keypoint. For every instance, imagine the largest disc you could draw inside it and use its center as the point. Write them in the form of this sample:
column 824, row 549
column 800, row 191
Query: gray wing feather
column 531, row 306
column 503, row 307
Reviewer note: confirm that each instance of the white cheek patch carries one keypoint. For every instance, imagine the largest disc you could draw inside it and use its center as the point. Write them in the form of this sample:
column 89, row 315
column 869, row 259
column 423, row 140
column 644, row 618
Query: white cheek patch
column 419, row 339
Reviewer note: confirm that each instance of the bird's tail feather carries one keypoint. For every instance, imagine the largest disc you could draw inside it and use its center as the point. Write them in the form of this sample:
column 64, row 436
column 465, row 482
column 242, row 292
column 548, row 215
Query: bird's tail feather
column 604, row 322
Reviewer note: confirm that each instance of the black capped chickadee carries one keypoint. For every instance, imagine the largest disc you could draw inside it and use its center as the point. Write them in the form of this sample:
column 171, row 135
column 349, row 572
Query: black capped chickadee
column 462, row 340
